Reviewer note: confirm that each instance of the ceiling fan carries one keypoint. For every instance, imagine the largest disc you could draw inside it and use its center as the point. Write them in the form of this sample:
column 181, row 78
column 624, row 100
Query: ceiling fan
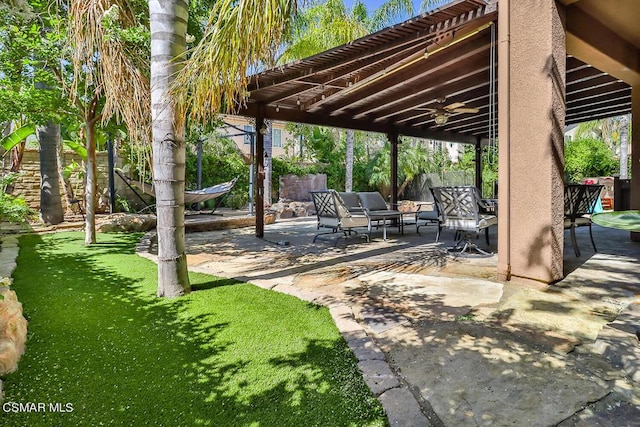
column 441, row 112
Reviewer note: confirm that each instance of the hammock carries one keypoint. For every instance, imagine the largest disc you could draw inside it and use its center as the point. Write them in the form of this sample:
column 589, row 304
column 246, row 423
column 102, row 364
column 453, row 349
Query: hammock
column 197, row 196
column 190, row 196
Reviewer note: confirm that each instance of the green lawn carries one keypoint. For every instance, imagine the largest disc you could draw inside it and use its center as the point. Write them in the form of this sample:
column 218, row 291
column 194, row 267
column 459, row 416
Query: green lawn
column 228, row 354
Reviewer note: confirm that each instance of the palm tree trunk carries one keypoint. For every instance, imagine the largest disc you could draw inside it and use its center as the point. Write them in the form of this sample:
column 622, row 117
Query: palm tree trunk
column 90, row 189
column 624, row 147
column 50, row 200
column 268, row 163
column 66, row 187
column 348, row 179
column 168, row 19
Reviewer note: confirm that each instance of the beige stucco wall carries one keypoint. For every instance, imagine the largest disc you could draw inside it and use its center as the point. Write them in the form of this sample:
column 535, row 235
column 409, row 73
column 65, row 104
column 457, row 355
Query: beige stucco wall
column 531, row 122
column 635, row 153
column 289, row 145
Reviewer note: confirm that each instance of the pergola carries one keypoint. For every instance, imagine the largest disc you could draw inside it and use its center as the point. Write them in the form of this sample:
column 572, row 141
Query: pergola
column 528, row 68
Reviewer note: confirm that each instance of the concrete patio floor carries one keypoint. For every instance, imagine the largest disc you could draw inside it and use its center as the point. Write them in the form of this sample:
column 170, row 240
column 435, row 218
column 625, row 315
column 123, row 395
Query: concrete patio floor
column 462, row 348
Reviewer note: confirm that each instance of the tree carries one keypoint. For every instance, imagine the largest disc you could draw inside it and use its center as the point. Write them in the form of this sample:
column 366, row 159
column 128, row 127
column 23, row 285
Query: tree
column 50, row 201
column 107, row 80
column 588, row 157
column 614, row 131
column 624, row 146
column 168, row 22
column 211, row 80
column 29, row 93
column 348, row 178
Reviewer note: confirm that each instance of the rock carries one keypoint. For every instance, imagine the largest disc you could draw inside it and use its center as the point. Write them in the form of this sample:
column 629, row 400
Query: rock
column 301, row 208
column 287, row 213
column 269, row 218
column 123, row 223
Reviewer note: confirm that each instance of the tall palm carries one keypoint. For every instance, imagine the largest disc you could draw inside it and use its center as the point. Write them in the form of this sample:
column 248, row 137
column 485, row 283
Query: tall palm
column 107, row 81
column 211, row 79
column 168, row 21
column 50, row 201
column 214, row 75
column 624, row 146
column 321, row 27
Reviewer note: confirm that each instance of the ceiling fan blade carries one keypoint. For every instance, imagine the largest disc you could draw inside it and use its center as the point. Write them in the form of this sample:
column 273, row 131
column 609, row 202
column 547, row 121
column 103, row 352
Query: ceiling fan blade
column 466, row 110
column 454, row 106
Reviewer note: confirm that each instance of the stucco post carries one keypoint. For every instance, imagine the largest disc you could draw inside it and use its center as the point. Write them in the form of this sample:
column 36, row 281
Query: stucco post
column 635, row 152
column 531, row 93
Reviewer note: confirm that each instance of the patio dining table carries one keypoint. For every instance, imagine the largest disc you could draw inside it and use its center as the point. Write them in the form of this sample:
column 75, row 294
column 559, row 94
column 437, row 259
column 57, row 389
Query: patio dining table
column 622, row 220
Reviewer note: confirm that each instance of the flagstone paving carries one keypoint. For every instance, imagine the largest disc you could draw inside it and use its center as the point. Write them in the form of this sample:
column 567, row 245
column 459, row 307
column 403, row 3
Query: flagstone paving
column 441, row 341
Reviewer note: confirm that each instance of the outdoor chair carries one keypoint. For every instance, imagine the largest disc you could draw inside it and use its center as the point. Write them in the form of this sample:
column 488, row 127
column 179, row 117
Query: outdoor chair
column 351, row 200
column 579, row 203
column 376, row 209
column 430, row 217
column 461, row 212
column 333, row 213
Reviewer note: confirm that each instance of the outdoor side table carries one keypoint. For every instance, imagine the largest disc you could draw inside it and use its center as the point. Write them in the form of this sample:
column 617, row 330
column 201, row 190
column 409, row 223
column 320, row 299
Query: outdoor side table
column 384, row 216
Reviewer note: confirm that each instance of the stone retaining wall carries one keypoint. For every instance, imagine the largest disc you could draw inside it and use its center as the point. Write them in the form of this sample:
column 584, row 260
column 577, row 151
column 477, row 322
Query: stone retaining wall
column 27, row 185
column 13, row 325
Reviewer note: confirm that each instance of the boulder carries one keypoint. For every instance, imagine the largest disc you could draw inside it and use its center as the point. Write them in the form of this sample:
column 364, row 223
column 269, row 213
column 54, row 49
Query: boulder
column 286, row 213
column 126, row 223
column 301, row 208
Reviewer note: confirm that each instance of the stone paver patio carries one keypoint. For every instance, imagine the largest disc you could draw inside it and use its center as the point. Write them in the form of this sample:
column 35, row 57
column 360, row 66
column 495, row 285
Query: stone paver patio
column 457, row 346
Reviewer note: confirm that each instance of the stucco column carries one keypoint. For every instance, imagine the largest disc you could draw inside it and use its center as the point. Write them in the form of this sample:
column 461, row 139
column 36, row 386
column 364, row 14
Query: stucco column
column 635, row 153
column 531, row 88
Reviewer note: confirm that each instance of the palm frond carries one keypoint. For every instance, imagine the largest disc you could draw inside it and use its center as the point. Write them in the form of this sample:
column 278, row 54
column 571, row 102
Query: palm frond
column 389, row 12
column 109, row 68
column 240, row 35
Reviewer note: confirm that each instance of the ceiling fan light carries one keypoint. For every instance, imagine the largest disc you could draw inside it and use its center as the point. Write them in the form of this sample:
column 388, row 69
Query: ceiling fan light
column 441, row 119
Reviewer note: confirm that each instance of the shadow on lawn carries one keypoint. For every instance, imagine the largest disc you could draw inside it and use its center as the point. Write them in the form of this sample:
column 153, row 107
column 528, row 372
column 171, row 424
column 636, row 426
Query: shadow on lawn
column 100, row 340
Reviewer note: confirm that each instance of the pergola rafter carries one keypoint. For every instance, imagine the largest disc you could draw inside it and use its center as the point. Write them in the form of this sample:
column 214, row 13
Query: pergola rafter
column 384, row 82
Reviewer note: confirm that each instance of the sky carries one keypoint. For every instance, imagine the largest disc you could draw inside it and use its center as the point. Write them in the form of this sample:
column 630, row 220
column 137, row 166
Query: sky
column 374, row 4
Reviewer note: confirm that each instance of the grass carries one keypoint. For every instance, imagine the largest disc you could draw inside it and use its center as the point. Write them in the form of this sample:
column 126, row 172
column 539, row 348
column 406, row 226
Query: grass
column 228, row 354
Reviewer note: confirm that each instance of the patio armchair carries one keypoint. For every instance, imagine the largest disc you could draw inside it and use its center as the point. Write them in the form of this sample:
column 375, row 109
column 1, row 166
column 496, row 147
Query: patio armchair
column 579, row 203
column 333, row 213
column 376, row 209
column 461, row 212
column 430, row 217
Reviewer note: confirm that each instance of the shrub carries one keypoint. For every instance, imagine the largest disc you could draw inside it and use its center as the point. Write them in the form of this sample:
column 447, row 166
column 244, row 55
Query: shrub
column 12, row 209
column 586, row 157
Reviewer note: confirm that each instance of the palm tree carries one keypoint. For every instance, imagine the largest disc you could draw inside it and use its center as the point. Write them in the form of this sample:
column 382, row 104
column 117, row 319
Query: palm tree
column 212, row 78
column 214, row 75
column 624, row 146
column 348, row 176
column 107, row 81
column 168, row 20
column 50, row 201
